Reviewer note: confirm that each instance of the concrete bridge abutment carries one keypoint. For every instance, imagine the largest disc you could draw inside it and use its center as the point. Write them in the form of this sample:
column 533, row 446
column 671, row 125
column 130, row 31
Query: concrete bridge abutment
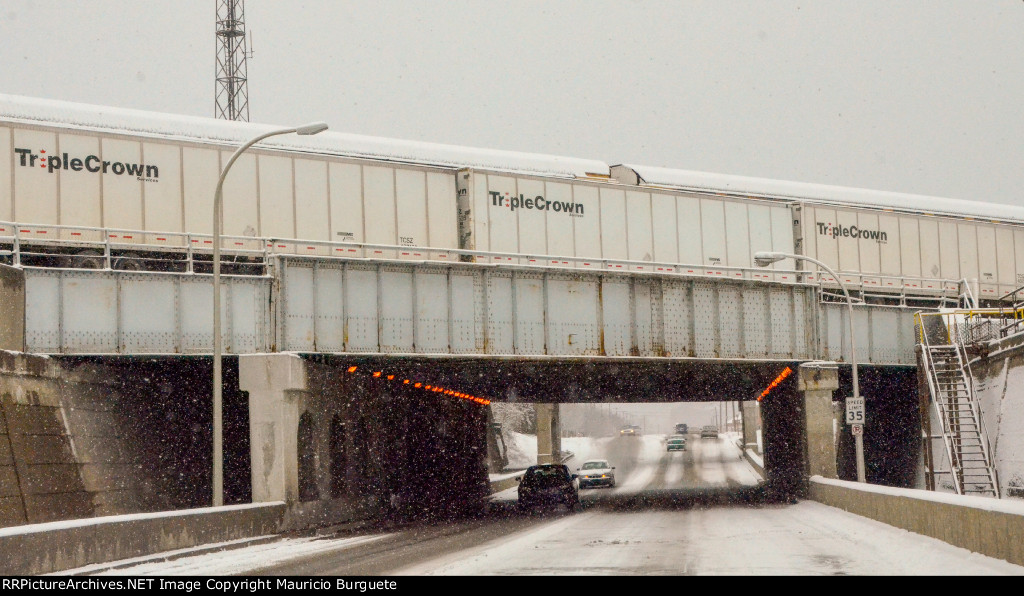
column 751, row 425
column 549, row 434
column 343, row 443
column 818, row 381
column 278, row 394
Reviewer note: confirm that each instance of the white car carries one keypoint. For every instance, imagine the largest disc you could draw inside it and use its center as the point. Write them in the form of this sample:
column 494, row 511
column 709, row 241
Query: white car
column 596, row 472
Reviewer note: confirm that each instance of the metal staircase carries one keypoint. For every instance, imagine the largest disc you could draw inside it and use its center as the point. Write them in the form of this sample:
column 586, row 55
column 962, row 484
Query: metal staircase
column 952, row 390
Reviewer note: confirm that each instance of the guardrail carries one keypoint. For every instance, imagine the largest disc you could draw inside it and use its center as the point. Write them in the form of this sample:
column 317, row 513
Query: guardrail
column 969, row 326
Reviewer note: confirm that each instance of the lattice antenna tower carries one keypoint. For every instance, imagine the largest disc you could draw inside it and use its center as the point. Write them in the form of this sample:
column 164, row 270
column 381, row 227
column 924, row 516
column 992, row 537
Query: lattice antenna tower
column 232, row 95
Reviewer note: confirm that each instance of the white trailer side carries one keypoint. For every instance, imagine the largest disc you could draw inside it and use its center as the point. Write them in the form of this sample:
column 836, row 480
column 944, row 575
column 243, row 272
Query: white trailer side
column 53, row 177
column 876, row 247
column 586, row 219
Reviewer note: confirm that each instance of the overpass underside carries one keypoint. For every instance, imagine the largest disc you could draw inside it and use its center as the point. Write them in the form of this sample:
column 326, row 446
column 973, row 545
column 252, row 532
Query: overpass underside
column 570, row 380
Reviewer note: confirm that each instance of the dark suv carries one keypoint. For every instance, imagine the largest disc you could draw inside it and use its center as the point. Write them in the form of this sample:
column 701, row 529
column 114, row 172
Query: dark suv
column 548, row 484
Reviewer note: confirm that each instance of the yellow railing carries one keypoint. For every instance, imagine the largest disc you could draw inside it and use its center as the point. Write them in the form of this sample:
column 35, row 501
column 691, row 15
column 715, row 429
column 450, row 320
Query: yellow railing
column 966, row 326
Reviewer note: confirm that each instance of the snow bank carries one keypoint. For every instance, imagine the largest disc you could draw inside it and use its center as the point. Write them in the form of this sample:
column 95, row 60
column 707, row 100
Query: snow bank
column 521, row 450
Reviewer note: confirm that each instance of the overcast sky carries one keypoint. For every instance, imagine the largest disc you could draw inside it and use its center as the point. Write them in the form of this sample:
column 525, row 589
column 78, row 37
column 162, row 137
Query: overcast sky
column 918, row 96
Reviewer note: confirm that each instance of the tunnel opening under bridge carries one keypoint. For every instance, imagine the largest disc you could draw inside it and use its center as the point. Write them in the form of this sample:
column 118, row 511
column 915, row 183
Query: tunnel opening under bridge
column 892, row 440
column 384, row 449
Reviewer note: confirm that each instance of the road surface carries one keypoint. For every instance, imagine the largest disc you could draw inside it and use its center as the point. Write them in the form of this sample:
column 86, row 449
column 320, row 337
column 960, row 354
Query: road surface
column 695, row 512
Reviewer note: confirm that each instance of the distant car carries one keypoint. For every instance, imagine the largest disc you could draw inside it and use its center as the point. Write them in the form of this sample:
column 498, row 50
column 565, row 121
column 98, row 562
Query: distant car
column 676, row 443
column 548, row 485
column 709, row 431
column 596, row 472
column 629, row 431
column 682, row 429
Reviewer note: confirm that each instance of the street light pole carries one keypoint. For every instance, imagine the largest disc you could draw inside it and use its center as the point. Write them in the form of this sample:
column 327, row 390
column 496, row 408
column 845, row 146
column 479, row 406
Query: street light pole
column 218, row 221
column 763, row 259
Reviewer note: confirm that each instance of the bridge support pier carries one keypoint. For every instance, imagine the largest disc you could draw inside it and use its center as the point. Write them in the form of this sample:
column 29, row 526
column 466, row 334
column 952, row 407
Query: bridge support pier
column 549, row 434
column 277, row 387
column 817, row 381
column 751, row 425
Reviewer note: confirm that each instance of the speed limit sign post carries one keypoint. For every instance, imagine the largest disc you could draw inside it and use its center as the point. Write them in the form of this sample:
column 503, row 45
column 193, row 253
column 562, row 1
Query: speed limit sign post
column 855, row 411
column 855, row 418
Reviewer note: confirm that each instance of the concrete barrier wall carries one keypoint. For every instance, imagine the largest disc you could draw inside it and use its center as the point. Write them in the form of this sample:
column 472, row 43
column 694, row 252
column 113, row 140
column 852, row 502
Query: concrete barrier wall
column 987, row 526
column 58, row 546
column 69, row 448
column 999, row 377
column 505, row 483
column 755, row 461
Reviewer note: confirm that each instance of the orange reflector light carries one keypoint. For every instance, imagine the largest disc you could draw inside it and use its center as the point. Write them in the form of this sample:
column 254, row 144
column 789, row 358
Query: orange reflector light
column 418, row 385
column 391, row 377
column 428, row 387
column 376, row 374
column 782, row 376
column 352, row 369
column 406, row 381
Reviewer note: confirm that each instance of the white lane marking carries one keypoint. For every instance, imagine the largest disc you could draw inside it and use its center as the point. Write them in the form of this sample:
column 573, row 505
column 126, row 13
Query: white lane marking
column 646, row 465
column 500, row 549
column 674, row 472
column 709, row 465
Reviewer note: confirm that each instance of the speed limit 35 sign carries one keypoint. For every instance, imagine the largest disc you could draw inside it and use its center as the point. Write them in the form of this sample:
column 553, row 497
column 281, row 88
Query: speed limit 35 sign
column 855, row 410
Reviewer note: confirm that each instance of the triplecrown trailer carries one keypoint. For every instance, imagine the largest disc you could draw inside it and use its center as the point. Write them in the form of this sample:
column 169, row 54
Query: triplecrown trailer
column 879, row 240
column 140, row 186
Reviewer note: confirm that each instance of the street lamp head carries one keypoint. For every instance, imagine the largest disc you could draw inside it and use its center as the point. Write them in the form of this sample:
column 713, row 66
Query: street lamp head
column 311, row 129
column 763, row 258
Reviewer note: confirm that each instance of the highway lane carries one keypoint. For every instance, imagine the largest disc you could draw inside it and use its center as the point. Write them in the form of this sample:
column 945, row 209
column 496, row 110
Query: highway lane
column 643, row 464
column 697, row 512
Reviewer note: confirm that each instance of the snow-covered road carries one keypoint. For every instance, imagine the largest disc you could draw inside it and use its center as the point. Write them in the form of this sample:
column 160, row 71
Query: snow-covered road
column 659, row 519
column 803, row 539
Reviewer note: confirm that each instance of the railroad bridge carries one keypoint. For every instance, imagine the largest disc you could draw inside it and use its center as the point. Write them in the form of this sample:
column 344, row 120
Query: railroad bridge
column 338, row 356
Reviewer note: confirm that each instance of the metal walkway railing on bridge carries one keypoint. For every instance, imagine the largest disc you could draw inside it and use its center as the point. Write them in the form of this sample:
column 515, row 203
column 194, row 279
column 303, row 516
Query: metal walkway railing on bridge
column 81, row 247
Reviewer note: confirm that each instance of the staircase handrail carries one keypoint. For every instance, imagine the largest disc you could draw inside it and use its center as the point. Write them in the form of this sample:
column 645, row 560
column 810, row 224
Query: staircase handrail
column 1013, row 293
column 967, row 294
column 965, row 364
column 932, row 378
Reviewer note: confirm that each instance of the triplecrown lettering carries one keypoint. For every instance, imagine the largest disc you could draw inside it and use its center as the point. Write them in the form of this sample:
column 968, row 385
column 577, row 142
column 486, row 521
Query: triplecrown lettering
column 851, row 232
column 90, row 163
column 538, row 202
